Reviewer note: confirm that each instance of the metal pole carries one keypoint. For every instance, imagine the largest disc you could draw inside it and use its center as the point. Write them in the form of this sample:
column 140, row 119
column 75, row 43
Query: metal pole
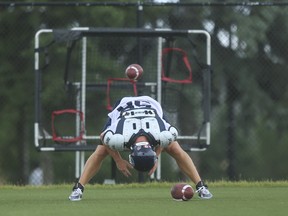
column 37, row 72
column 77, row 154
column 159, row 95
column 80, row 155
column 83, row 99
column 139, row 56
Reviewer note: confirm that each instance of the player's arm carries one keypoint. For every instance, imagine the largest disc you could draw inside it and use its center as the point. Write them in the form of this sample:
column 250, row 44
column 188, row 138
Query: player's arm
column 158, row 151
column 121, row 164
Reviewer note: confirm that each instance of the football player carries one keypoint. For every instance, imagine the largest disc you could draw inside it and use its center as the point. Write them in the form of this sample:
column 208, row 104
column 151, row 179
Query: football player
column 137, row 124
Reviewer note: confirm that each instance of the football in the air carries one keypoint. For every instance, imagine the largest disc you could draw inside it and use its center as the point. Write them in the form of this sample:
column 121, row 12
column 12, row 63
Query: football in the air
column 182, row 192
column 134, row 72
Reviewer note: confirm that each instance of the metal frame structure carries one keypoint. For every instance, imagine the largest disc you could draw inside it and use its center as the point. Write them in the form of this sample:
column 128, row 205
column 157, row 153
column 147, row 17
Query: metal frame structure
column 85, row 32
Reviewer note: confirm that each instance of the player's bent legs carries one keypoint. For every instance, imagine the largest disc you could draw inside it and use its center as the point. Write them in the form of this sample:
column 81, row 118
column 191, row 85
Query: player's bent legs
column 93, row 164
column 91, row 168
column 187, row 166
column 184, row 161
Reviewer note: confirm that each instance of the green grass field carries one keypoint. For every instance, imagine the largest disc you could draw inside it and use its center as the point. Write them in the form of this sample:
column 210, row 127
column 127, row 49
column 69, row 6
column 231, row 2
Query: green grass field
column 240, row 198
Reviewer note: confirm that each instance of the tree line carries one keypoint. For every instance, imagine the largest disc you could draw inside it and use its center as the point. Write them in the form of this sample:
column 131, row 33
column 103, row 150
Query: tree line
column 249, row 91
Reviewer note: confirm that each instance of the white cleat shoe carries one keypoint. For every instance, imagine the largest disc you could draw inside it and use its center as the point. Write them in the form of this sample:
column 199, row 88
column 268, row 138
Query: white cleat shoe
column 76, row 195
column 204, row 193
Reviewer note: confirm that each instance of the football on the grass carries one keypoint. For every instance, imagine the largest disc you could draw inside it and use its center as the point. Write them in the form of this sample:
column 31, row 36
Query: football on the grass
column 182, row 192
column 134, row 72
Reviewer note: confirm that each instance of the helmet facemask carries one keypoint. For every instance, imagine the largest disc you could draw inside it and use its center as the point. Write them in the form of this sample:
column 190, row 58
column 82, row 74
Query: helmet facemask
column 142, row 156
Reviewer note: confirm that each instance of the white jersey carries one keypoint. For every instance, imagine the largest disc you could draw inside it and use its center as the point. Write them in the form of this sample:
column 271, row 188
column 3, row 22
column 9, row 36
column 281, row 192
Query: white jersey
column 137, row 116
column 129, row 103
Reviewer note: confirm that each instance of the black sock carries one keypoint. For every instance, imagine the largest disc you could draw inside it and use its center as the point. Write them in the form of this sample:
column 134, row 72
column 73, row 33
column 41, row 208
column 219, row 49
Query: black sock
column 200, row 184
column 78, row 185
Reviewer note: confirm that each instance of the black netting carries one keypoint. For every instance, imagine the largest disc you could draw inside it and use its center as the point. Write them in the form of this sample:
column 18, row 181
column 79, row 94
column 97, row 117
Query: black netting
column 249, row 95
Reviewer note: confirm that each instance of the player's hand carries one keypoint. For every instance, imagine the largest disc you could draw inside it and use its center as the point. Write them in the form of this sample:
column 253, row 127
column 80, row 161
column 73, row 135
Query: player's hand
column 124, row 167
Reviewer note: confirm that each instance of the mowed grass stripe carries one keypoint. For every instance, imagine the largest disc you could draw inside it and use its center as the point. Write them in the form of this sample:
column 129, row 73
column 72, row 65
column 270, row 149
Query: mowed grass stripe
column 230, row 198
